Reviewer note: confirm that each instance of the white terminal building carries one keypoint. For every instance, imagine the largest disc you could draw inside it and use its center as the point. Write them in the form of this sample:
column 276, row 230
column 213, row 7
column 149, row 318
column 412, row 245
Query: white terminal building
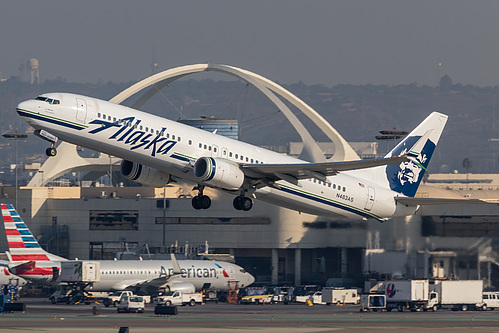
column 276, row 245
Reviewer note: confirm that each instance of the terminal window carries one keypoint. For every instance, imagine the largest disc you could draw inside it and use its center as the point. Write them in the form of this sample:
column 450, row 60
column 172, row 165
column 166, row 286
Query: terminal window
column 459, row 226
column 213, row 220
column 114, row 220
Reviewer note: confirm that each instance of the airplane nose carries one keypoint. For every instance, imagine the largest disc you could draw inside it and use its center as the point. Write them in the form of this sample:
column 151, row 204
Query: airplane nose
column 250, row 279
column 24, row 106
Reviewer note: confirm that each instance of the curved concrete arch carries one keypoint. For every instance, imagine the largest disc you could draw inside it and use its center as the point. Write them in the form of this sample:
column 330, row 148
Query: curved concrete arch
column 343, row 150
column 311, row 151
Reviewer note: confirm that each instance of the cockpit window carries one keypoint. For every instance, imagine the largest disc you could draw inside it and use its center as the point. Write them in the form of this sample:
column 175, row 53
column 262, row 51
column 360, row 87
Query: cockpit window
column 48, row 100
column 242, row 270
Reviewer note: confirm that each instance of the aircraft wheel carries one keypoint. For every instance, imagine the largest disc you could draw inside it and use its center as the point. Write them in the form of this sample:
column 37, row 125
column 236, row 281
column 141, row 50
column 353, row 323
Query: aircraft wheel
column 205, row 202
column 196, row 202
column 246, row 203
column 51, row 152
column 237, row 203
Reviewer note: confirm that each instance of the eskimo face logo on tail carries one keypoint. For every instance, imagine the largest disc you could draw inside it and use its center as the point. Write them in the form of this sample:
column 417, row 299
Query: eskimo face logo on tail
column 406, row 176
column 410, row 171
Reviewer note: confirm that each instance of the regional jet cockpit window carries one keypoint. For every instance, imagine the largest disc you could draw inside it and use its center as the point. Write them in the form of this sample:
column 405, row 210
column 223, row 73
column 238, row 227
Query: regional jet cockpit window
column 48, row 100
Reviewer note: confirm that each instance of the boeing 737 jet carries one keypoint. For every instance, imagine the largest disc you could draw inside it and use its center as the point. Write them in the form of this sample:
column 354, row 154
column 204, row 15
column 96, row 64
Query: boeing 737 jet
column 156, row 151
column 28, row 260
column 6, row 277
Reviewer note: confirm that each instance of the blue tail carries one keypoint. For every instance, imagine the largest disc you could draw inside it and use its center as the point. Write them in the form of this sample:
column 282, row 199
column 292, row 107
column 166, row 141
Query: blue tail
column 405, row 177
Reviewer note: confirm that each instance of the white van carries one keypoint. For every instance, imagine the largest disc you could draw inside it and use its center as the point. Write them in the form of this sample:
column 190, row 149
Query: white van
column 491, row 299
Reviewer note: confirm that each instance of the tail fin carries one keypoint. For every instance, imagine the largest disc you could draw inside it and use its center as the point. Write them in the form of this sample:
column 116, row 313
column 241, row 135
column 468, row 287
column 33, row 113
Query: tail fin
column 420, row 144
column 22, row 245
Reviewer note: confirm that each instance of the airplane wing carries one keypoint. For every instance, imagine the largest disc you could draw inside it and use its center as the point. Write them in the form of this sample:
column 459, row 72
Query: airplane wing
column 293, row 172
column 158, row 282
column 440, row 201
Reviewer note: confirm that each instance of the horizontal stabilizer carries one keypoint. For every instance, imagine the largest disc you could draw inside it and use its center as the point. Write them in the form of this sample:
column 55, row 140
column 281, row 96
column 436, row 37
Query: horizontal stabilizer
column 414, row 201
column 22, row 268
column 294, row 172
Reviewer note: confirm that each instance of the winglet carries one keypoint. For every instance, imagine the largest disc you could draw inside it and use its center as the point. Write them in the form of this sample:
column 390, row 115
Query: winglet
column 175, row 265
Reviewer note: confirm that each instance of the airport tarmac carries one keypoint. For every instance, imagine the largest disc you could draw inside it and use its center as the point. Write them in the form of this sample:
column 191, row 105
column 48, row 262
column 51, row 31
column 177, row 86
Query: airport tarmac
column 41, row 316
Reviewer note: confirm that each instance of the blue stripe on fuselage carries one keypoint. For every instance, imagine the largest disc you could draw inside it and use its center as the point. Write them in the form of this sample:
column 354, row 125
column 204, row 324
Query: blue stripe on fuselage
column 181, row 158
column 49, row 120
column 329, row 203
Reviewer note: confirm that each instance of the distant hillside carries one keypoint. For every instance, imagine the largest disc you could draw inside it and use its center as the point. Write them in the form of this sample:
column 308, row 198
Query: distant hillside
column 357, row 112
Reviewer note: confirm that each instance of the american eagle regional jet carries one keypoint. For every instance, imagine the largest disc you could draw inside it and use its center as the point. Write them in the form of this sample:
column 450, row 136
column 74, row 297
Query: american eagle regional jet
column 156, row 151
column 28, row 260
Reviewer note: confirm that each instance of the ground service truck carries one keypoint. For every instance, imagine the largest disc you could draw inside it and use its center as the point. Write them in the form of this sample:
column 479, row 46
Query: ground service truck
column 458, row 294
column 403, row 295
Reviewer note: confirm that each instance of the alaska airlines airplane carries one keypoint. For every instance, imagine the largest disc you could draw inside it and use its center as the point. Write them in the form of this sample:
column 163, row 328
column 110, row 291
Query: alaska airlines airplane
column 157, row 151
column 28, row 260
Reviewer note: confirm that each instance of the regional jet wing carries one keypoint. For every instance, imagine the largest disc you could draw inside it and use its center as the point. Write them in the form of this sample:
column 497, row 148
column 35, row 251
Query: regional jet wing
column 293, row 172
column 440, row 201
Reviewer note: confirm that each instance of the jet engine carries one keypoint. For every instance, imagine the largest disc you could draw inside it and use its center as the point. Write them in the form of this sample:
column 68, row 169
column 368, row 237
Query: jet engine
column 185, row 287
column 143, row 174
column 219, row 173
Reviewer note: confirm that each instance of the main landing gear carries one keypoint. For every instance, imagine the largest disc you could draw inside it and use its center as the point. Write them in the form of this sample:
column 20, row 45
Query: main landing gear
column 242, row 203
column 201, row 201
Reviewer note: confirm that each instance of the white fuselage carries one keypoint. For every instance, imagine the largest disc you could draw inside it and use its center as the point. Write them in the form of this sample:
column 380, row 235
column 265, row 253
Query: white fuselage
column 173, row 147
column 121, row 274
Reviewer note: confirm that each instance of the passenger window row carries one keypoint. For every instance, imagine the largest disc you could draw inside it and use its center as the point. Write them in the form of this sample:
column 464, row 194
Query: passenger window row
column 140, row 127
column 207, row 147
column 334, row 186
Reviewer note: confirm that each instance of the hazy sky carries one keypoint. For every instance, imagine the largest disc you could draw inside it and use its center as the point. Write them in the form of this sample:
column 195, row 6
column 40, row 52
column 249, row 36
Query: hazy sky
column 327, row 42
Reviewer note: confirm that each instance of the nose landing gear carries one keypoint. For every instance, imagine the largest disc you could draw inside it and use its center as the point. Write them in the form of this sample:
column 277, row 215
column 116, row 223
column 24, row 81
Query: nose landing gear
column 51, row 151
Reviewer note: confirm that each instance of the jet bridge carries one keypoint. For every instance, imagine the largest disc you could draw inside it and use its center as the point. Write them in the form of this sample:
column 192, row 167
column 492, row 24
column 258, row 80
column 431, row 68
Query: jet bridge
column 78, row 275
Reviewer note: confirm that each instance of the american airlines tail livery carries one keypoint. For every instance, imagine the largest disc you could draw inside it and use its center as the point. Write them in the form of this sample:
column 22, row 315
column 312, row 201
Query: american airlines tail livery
column 28, row 260
column 157, row 151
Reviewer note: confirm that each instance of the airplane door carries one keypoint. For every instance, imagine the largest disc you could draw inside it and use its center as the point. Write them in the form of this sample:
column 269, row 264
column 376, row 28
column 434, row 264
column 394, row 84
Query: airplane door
column 81, row 110
column 370, row 198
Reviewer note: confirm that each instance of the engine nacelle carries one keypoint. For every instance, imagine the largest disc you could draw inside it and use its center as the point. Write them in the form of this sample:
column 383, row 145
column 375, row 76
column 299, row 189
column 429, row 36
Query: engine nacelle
column 219, row 173
column 184, row 287
column 143, row 174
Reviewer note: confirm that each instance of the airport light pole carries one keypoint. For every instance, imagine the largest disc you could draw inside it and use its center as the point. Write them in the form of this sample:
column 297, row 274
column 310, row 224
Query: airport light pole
column 393, row 135
column 16, row 137
column 163, row 250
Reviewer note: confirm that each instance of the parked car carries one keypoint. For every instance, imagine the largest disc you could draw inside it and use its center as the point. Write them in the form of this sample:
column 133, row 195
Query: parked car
column 131, row 304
